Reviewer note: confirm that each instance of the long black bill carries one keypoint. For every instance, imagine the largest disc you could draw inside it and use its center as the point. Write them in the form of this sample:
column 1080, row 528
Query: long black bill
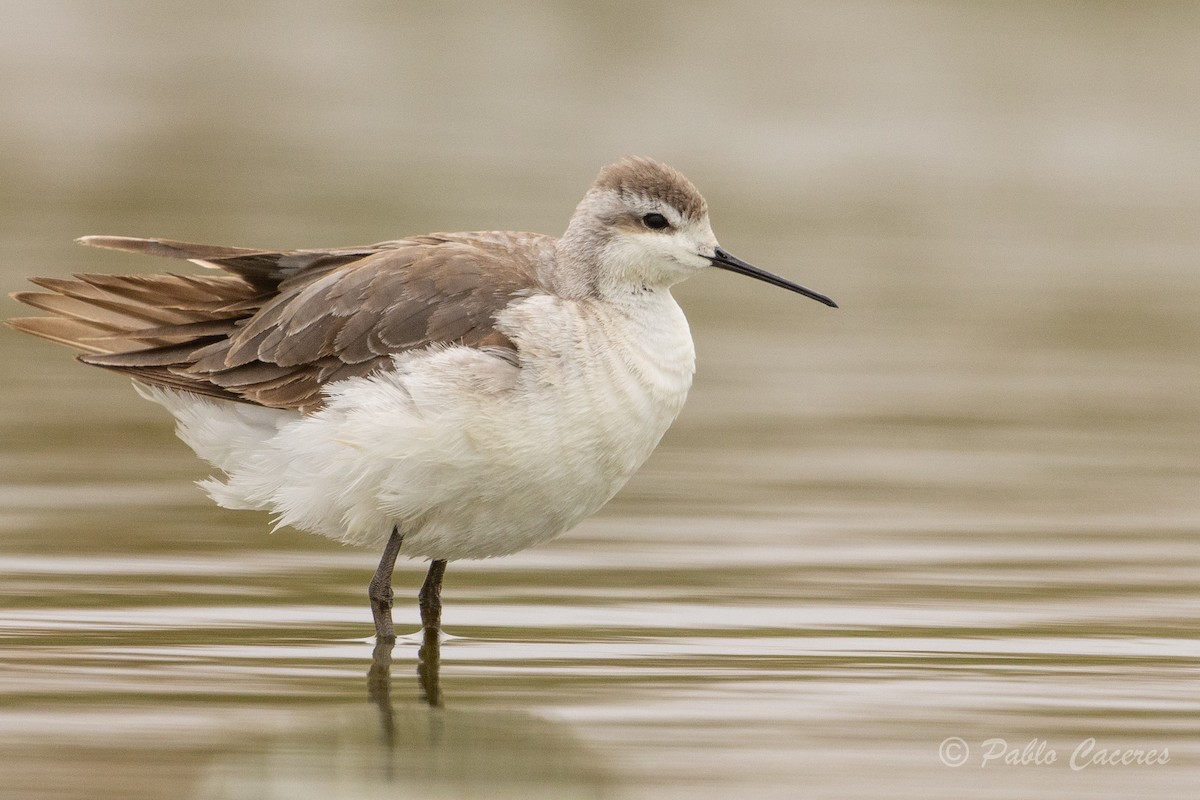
column 733, row 264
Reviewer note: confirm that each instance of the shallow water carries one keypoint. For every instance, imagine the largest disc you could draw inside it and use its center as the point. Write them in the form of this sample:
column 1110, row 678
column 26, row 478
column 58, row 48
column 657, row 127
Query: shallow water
column 962, row 505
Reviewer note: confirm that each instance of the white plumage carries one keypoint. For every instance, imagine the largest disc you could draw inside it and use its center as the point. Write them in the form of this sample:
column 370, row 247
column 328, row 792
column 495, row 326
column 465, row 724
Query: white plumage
column 469, row 455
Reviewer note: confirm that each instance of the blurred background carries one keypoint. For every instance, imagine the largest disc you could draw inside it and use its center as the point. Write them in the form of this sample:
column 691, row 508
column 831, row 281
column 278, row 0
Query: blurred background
column 963, row 504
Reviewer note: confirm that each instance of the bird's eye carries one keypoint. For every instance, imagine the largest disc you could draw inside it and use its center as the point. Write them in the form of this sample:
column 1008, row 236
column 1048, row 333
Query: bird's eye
column 655, row 221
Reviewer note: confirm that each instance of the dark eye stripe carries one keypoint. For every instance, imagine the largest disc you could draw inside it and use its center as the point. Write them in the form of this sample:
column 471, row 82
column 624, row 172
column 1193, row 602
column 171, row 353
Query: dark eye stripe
column 655, row 221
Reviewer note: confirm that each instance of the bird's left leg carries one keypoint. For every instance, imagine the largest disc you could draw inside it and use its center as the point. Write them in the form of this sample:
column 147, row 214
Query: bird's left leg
column 380, row 589
column 430, row 597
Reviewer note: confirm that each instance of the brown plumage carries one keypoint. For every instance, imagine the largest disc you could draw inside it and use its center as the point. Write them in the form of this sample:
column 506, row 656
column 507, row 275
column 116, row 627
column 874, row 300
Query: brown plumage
column 281, row 324
column 644, row 177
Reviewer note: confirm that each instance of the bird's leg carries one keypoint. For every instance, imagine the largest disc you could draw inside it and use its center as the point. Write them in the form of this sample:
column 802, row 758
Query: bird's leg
column 380, row 589
column 430, row 597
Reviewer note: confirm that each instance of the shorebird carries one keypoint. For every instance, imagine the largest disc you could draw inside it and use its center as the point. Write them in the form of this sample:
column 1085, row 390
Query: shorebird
column 448, row 396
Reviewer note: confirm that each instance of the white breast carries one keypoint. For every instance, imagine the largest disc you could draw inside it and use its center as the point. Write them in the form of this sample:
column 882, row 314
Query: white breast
column 470, row 456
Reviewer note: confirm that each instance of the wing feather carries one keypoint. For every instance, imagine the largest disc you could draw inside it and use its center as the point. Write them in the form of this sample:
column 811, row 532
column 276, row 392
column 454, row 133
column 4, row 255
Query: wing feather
column 282, row 324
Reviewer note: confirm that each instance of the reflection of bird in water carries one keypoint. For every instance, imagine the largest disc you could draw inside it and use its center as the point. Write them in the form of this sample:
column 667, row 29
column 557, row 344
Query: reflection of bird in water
column 379, row 684
column 450, row 396
column 429, row 665
column 397, row 746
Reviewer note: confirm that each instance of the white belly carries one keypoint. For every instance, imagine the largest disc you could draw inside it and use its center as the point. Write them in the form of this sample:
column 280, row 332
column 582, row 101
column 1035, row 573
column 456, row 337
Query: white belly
column 468, row 455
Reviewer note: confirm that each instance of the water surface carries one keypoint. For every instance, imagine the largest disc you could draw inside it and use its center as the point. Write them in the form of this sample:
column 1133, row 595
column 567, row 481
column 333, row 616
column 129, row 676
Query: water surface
column 962, row 505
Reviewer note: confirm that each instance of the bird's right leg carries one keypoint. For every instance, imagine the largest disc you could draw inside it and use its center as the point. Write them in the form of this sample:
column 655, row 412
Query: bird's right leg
column 380, row 590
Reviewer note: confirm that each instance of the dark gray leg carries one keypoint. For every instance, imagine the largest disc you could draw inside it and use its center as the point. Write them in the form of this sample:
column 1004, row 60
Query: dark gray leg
column 430, row 598
column 380, row 589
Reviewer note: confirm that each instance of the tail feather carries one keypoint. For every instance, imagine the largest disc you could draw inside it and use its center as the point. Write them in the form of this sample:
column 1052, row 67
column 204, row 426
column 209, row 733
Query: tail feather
column 265, row 269
column 176, row 292
column 161, row 356
column 168, row 248
column 119, row 315
column 218, row 328
column 77, row 334
column 108, row 314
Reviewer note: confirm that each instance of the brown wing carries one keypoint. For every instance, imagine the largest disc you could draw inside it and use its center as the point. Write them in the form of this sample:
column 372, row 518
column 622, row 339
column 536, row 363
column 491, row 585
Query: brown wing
column 287, row 322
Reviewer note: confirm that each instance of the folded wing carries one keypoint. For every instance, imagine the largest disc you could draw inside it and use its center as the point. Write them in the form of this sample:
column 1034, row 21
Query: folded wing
column 279, row 325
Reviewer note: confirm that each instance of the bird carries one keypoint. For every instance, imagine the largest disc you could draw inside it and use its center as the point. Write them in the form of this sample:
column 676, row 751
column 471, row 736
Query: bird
column 446, row 396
